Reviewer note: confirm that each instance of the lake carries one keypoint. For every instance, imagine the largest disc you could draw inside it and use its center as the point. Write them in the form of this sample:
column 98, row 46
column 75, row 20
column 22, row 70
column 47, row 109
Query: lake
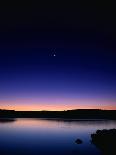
column 45, row 136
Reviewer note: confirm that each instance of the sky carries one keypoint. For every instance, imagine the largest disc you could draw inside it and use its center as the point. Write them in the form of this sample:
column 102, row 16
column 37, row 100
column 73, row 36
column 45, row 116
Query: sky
column 57, row 57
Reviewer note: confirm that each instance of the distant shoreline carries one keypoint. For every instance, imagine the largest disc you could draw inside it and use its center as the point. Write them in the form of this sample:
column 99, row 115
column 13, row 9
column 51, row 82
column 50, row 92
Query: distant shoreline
column 79, row 114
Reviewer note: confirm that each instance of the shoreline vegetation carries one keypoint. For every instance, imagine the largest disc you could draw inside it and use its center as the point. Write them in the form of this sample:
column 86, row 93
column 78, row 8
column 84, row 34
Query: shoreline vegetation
column 69, row 114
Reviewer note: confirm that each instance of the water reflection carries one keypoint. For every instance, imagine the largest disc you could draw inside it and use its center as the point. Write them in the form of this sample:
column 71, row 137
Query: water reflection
column 7, row 120
column 41, row 136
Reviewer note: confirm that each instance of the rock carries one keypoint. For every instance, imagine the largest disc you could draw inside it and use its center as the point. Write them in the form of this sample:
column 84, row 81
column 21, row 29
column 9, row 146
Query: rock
column 78, row 141
column 105, row 140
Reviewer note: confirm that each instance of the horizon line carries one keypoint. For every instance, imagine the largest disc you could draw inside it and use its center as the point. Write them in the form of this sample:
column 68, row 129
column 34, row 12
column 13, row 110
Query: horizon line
column 55, row 110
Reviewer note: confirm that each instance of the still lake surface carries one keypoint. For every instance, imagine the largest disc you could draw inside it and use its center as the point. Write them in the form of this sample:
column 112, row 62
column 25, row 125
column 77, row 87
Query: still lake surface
column 54, row 137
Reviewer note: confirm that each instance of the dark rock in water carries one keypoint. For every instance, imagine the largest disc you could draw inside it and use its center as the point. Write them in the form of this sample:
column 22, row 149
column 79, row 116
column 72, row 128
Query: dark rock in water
column 79, row 141
column 105, row 140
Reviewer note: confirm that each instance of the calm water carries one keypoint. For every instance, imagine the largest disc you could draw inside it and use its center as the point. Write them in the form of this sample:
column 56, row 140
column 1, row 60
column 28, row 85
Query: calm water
column 54, row 137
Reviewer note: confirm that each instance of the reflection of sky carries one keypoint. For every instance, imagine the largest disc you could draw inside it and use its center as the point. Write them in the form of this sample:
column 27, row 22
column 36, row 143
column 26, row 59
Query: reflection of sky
column 47, row 136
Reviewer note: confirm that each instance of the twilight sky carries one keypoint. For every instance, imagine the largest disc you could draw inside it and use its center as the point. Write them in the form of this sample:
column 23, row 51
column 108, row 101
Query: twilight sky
column 57, row 57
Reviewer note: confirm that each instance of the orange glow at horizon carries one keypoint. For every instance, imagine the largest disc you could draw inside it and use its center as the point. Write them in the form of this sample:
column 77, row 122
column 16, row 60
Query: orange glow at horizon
column 27, row 105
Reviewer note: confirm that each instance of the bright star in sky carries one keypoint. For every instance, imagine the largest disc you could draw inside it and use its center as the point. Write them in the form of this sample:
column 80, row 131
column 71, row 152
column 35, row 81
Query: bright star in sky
column 53, row 54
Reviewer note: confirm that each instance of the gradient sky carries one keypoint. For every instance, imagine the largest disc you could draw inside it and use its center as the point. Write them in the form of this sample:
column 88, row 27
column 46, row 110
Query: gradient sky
column 82, row 74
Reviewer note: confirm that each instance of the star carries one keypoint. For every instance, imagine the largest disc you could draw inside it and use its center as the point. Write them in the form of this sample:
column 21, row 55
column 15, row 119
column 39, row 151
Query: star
column 53, row 53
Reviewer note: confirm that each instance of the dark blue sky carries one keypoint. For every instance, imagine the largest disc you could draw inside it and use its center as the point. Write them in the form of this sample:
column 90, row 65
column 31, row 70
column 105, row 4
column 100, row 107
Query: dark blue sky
column 81, row 75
